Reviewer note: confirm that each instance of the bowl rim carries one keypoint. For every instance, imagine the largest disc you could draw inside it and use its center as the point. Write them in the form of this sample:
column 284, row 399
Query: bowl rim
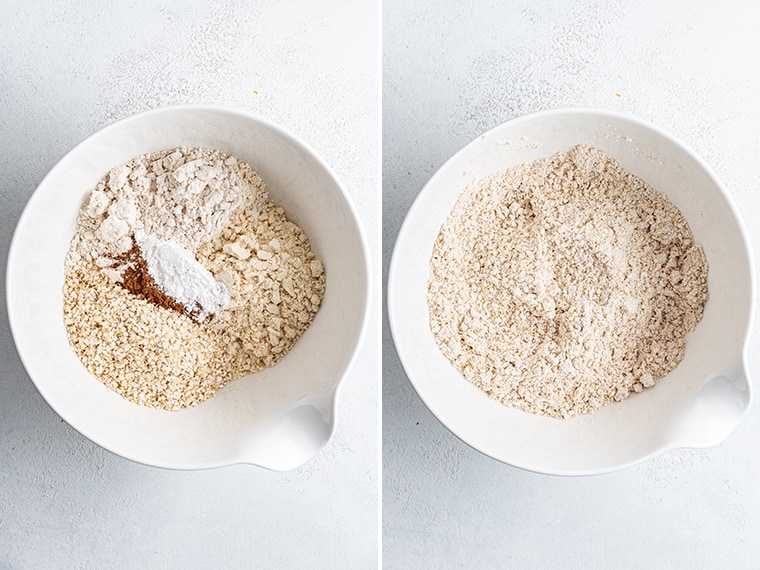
column 427, row 188
column 115, row 125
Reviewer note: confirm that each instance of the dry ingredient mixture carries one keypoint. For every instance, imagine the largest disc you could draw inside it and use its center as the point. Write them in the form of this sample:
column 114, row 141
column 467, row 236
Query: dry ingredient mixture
column 562, row 285
column 183, row 275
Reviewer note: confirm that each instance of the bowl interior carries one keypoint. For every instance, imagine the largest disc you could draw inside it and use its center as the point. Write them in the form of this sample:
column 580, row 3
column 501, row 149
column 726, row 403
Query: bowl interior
column 699, row 403
column 277, row 418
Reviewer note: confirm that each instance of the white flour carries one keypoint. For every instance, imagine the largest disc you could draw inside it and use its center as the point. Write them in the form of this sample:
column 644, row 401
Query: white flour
column 186, row 195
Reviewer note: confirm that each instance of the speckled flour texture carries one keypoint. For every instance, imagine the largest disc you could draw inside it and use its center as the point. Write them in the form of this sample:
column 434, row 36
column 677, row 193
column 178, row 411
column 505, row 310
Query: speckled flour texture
column 183, row 275
column 565, row 284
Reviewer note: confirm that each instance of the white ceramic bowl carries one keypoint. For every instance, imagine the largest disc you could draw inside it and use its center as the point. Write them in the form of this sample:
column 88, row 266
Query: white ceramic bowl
column 278, row 418
column 697, row 405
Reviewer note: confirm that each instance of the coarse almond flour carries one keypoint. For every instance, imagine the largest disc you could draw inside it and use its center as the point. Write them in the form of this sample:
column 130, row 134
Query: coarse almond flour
column 183, row 275
column 562, row 285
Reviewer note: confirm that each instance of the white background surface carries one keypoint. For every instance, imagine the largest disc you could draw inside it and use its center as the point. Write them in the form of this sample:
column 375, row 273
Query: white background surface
column 451, row 71
column 70, row 68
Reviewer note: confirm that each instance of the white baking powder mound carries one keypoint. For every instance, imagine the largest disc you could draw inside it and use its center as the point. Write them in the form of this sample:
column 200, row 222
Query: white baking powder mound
column 179, row 274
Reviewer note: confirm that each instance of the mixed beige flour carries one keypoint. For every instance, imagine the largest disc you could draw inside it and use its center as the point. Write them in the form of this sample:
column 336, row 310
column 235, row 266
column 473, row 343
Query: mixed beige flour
column 208, row 212
column 565, row 284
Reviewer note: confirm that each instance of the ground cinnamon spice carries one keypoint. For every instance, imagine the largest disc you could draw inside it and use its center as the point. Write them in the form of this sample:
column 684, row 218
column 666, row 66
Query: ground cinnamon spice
column 138, row 281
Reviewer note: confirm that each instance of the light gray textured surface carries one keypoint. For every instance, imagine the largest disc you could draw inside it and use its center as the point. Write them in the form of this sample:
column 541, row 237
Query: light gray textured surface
column 69, row 69
column 452, row 70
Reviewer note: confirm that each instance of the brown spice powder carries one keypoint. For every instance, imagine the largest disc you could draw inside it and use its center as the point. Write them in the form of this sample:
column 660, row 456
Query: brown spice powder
column 138, row 281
